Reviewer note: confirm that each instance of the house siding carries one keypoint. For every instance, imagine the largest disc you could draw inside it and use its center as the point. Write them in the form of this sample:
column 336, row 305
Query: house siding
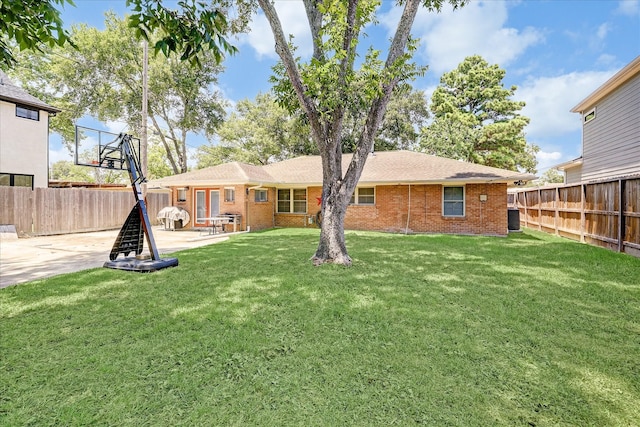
column 260, row 214
column 611, row 141
column 253, row 215
column 573, row 175
column 24, row 146
column 305, row 220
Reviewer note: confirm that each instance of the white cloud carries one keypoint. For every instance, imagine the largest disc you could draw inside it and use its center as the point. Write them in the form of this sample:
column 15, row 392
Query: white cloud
column 476, row 29
column 294, row 21
column 606, row 60
column 603, row 29
column 56, row 155
column 554, row 155
column 629, row 7
column 548, row 159
column 117, row 127
column 550, row 99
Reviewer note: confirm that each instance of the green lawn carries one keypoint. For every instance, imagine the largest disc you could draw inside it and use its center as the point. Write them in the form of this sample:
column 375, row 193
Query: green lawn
column 529, row 330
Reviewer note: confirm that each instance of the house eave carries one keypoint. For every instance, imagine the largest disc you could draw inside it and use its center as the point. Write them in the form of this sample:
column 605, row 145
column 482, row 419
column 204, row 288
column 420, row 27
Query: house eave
column 568, row 165
column 46, row 107
column 609, row 86
column 199, row 183
column 440, row 181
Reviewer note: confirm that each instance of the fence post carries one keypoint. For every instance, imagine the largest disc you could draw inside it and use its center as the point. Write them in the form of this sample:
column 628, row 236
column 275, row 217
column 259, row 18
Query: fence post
column 556, row 195
column 621, row 219
column 583, row 216
column 539, row 210
column 526, row 214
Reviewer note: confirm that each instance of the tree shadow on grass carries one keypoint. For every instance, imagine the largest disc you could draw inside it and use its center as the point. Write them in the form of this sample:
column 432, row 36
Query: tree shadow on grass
column 439, row 330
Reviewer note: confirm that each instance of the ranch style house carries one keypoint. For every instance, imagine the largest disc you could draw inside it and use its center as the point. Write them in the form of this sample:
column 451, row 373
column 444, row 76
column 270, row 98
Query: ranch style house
column 399, row 191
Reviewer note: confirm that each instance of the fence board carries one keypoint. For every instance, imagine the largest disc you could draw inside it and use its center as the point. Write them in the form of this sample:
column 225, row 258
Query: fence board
column 45, row 211
column 605, row 213
column 15, row 205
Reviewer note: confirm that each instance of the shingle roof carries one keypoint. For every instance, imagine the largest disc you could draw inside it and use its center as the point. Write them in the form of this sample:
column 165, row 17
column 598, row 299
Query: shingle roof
column 227, row 173
column 384, row 167
column 10, row 92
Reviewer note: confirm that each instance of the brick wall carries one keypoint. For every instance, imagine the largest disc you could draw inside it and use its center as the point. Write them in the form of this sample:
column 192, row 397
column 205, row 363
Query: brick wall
column 306, row 220
column 260, row 214
column 233, row 207
column 388, row 214
column 425, row 212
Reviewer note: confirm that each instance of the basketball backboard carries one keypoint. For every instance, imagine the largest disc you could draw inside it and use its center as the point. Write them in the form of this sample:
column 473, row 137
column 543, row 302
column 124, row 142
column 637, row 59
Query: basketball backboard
column 101, row 149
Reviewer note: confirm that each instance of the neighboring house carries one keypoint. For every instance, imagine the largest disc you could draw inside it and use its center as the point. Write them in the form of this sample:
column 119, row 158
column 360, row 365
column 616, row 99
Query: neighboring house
column 399, row 191
column 24, row 137
column 610, row 130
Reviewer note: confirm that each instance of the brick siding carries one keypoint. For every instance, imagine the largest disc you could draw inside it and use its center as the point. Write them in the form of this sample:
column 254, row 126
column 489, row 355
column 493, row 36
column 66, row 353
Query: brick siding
column 425, row 212
column 389, row 213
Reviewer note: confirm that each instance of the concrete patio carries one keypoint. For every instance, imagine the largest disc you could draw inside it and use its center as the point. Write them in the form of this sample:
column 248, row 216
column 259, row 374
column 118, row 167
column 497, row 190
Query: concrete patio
column 26, row 259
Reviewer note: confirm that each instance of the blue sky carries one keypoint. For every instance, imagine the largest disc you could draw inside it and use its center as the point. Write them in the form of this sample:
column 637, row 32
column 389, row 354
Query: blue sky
column 555, row 51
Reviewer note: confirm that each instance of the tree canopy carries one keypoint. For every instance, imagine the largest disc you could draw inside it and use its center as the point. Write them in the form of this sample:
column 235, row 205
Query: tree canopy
column 551, row 176
column 189, row 31
column 476, row 119
column 258, row 132
column 102, row 75
column 66, row 170
column 406, row 113
column 31, row 25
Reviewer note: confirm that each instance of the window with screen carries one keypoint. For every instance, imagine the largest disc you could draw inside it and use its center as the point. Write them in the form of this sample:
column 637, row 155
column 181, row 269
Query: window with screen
column 260, row 195
column 292, row 200
column 453, row 201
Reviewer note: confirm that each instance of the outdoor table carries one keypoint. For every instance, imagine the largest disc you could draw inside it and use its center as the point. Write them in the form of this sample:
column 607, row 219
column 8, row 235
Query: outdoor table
column 218, row 221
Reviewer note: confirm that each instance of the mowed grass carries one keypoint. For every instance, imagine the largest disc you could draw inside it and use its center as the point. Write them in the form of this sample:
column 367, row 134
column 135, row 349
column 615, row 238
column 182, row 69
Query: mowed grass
column 529, row 330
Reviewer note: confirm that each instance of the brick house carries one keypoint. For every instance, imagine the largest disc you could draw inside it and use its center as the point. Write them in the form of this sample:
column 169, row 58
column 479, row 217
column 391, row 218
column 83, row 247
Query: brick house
column 399, row 191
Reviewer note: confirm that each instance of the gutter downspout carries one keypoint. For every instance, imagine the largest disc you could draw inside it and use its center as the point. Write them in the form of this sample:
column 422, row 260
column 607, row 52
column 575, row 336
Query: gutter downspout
column 406, row 230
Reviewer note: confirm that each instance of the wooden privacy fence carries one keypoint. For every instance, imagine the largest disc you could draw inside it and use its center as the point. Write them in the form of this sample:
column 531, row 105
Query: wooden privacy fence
column 45, row 211
column 604, row 213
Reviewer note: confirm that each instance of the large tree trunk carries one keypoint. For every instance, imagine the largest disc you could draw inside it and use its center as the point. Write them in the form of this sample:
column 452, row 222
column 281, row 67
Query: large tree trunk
column 335, row 199
column 332, row 247
column 326, row 126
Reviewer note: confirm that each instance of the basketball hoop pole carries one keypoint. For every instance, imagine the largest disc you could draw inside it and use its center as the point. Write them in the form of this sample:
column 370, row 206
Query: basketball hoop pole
column 121, row 154
column 145, row 106
column 136, row 181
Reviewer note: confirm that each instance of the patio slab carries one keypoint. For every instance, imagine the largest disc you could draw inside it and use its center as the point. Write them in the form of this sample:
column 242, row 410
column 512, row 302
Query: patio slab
column 26, row 259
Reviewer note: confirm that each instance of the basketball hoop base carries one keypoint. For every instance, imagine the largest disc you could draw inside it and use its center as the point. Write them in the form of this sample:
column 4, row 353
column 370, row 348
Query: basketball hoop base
column 141, row 265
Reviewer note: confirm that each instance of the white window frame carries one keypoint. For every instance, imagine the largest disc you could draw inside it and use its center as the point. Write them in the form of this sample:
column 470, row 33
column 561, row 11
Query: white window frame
column 356, row 198
column 444, row 202
column 229, row 194
column 291, row 200
column 258, row 192
column 589, row 116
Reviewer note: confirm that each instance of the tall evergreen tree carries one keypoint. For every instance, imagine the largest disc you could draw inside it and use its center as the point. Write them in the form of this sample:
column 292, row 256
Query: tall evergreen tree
column 476, row 119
